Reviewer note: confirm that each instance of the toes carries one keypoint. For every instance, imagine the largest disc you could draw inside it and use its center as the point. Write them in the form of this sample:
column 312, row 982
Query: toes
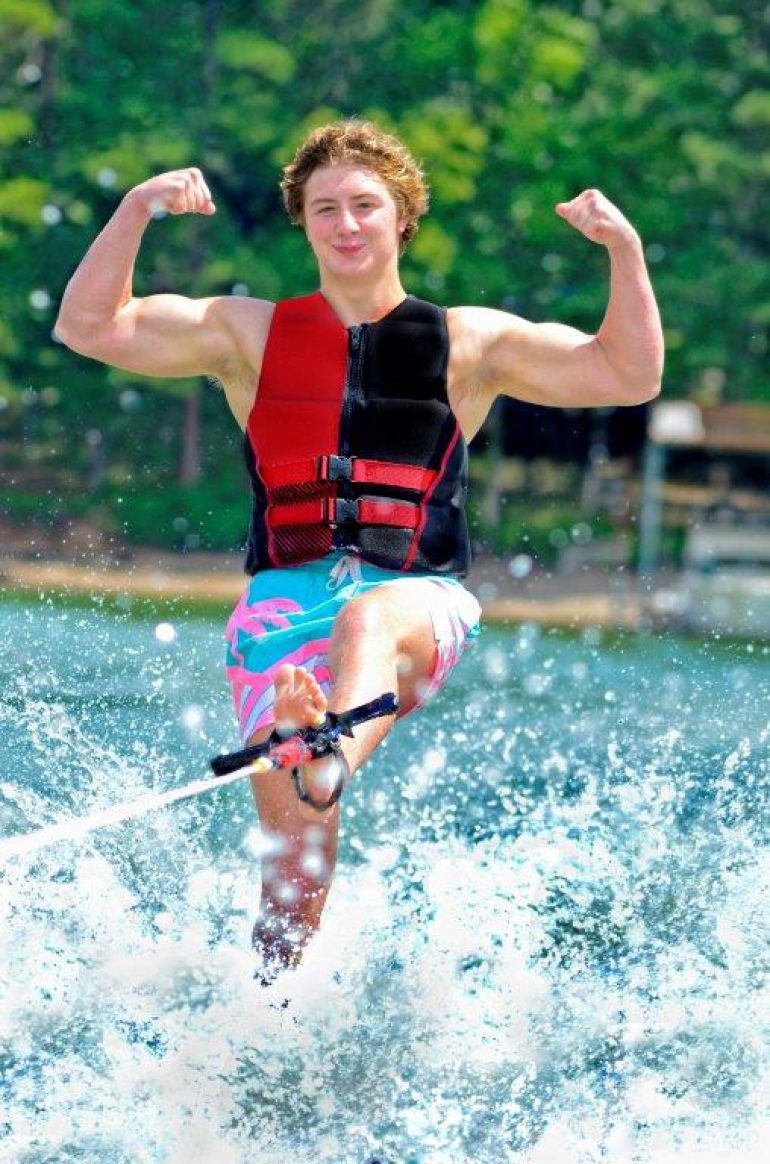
column 299, row 700
column 284, row 677
column 315, row 696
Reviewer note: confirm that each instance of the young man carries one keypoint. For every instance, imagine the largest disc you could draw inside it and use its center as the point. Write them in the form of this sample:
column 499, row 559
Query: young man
column 358, row 402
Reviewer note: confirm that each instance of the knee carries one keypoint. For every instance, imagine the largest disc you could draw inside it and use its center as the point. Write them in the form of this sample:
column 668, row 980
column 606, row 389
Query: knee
column 365, row 617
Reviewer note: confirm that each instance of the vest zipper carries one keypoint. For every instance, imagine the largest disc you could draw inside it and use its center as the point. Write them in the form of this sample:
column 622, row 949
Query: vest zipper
column 354, row 379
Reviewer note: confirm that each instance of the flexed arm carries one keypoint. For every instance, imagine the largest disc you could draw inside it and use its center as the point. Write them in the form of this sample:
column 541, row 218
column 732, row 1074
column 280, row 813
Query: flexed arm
column 161, row 335
column 630, row 336
column 550, row 363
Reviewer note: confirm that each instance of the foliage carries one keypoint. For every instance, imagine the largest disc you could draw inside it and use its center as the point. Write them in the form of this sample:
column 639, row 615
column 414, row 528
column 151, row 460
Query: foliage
column 540, row 528
column 511, row 104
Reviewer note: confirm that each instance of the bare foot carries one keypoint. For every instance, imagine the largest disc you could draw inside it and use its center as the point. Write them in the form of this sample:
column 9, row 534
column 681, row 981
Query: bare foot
column 299, row 703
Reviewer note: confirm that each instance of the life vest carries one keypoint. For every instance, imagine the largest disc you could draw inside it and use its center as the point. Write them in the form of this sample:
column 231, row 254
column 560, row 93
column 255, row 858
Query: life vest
column 351, row 444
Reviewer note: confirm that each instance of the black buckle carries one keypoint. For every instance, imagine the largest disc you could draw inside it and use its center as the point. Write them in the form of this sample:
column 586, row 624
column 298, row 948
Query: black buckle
column 345, row 509
column 339, row 510
column 339, row 468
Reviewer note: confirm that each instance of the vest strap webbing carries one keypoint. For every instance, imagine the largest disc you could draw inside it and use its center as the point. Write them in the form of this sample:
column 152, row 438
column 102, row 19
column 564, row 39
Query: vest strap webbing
column 334, row 511
column 357, row 470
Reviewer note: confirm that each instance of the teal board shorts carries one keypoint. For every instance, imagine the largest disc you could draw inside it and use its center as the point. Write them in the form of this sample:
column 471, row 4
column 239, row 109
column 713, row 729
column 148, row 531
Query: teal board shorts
column 286, row 615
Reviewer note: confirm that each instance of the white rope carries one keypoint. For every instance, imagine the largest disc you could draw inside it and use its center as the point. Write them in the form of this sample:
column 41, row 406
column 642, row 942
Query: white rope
column 68, row 830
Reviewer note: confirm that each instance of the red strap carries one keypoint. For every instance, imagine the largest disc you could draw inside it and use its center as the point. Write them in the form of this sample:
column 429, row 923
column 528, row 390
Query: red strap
column 373, row 511
column 297, row 473
column 359, row 470
column 388, row 473
column 336, row 510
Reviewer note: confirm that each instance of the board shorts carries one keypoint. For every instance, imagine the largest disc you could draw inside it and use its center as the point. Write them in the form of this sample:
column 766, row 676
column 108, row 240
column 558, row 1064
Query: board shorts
column 286, row 615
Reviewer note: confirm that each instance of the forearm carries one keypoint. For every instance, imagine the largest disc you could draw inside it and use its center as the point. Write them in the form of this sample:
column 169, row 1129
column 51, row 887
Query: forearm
column 630, row 337
column 102, row 284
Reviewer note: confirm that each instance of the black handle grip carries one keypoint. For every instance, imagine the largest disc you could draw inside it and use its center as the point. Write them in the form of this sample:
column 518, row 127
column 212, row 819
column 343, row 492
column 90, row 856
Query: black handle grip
column 336, row 724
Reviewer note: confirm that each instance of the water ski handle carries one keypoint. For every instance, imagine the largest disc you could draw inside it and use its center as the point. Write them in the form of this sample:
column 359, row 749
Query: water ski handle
column 386, row 704
column 337, row 724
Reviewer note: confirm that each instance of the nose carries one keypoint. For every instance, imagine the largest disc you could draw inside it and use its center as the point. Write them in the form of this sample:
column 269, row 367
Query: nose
column 347, row 220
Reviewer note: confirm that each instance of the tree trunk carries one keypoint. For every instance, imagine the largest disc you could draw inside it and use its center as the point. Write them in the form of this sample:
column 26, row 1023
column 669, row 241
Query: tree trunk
column 190, row 466
column 190, row 463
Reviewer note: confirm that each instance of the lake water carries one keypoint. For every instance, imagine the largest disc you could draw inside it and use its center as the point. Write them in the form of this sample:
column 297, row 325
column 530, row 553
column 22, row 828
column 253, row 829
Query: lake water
column 547, row 941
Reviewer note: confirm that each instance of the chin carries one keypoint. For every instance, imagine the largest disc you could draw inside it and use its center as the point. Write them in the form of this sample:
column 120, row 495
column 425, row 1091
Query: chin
column 349, row 265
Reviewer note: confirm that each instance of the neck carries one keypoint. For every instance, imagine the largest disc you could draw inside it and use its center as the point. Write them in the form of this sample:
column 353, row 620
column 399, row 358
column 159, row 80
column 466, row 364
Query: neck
column 359, row 303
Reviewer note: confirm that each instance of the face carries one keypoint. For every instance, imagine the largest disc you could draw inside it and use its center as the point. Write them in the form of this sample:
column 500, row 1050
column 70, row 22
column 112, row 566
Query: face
column 351, row 221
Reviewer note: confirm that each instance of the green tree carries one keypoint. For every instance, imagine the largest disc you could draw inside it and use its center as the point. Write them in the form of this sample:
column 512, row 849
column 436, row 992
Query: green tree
column 512, row 105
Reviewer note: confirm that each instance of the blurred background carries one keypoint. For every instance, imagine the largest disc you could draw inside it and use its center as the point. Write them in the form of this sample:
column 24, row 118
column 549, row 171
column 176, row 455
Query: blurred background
column 512, row 106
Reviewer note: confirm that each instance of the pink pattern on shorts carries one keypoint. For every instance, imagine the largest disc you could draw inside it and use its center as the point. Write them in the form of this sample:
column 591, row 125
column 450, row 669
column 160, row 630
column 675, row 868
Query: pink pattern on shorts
column 454, row 626
column 254, row 691
column 270, row 614
column 254, row 695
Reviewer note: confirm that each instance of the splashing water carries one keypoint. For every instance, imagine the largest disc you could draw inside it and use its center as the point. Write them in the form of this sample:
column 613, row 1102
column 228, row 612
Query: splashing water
column 545, row 941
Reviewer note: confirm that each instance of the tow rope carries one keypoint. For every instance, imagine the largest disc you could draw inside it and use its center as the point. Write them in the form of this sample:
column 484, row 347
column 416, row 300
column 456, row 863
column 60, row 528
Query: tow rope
column 274, row 754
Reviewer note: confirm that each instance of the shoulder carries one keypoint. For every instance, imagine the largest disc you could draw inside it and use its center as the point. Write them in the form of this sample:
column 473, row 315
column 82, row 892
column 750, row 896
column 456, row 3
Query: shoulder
column 482, row 327
column 475, row 333
column 489, row 345
column 247, row 319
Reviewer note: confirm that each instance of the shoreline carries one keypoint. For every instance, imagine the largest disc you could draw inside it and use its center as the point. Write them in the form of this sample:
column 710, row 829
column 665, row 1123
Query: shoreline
column 206, row 582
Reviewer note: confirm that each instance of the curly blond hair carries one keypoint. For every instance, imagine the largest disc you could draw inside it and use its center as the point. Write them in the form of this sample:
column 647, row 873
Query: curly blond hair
column 363, row 144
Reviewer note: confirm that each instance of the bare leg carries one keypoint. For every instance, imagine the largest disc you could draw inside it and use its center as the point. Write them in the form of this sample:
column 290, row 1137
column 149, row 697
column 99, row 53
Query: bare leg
column 301, row 851
column 379, row 644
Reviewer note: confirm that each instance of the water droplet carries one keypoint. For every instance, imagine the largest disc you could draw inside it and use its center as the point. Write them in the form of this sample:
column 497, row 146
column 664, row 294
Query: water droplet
column 130, row 400
column 287, row 893
column 51, row 215
column 403, row 664
column 314, row 864
column 261, row 843
column 40, row 299
column 193, row 715
column 165, row 632
column 486, row 592
column 581, row 533
column 495, row 664
column 520, row 566
column 29, row 74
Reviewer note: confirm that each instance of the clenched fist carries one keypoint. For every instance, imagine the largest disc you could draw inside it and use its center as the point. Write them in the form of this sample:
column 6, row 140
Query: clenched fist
column 596, row 218
column 176, row 192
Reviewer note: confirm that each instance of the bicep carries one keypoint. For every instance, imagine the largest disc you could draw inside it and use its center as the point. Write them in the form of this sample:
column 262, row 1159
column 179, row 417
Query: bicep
column 165, row 335
column 551, row 364
column 540, row 363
